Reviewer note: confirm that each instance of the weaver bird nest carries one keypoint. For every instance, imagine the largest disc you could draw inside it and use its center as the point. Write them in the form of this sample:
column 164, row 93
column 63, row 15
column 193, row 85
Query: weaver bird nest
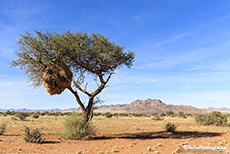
column 57, row 77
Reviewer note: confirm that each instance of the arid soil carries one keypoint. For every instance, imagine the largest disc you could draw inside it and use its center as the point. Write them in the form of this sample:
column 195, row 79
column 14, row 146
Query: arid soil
column 123, row 135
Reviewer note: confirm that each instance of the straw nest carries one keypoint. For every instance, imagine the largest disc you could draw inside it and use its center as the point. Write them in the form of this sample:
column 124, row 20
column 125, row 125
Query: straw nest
column 57, row 77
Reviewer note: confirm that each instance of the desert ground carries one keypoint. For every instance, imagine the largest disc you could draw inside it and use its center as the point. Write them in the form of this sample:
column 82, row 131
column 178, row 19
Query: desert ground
column 123, row 135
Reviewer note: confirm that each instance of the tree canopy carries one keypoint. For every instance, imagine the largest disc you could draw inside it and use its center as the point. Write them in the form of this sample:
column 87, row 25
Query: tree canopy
column 94, row 53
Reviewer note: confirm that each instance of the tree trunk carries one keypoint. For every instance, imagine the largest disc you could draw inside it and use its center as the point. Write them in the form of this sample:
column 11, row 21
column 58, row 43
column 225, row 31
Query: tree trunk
column 87, row 115
column 88, row 112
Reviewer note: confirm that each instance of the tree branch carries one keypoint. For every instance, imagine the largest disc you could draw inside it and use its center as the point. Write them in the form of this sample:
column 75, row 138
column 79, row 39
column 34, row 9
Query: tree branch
column 102, row 86
column 78, row 87
column 77, row 98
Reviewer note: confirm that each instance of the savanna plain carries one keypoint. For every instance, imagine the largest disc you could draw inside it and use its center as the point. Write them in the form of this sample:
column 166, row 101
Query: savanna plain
column 116, row 134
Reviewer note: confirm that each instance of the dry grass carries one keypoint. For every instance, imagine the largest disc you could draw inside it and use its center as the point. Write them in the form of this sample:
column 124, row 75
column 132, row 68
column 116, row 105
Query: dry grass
column 127, row 134
column 114, row 125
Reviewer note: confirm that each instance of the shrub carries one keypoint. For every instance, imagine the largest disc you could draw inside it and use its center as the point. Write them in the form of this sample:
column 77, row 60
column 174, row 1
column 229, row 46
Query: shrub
column 44, row 113
column 170, row 113
column 35, row 116
column 123, row 114
column 189, row 115
column 76, row 128
column 162, row 114
column 109, row 115
column 157, row 117
column 154, row 114
column 96, row 114
column 22, row 115
column 182, row 115
column 169, row 127
column 138, row 115
column 2, row 128
column 8, row 112
column 33, row 136
column 215, row 118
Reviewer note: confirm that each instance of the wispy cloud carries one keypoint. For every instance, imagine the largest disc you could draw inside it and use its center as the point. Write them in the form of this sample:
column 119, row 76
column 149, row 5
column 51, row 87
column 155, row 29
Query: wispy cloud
column 221, row 66
column 174, row 38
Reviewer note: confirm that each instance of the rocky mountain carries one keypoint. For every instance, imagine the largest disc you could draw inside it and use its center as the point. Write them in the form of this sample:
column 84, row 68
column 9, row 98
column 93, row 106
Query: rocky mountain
column 151, row 106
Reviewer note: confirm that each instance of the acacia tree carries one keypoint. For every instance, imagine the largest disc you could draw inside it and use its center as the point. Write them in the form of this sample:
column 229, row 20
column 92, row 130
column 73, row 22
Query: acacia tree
column 81, row 53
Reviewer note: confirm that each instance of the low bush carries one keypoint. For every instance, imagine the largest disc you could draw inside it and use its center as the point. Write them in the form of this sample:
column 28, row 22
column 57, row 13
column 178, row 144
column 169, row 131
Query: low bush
column 2, row 128
column 35, row 116
column 33, row 136
column 138, row 115
column 170, row 113
column 109, row 115
column 169, row 127
column 75, row 128
column 157, row 117
column 22, row 115
column 214, row 118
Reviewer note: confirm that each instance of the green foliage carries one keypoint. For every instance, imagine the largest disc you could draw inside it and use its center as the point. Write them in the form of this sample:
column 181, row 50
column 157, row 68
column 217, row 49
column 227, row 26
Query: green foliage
column 2, row 128
column 108, row 115
column 157, row 117
column 138, row 115
column 76, row 128
column 214, row 118
column 22, row 115
column 97, row 114
column 169, row 127
column 182, row 115
column 33, row 136
column 189, row 115
column 170, row 113
column 154, row 114
column 35, row 116
column 162, row 114
column 123, row 114
column 83, row 53
column 8, row 112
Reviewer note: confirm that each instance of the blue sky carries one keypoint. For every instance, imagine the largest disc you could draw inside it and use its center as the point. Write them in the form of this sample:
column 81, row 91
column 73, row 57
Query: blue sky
column 181, row 49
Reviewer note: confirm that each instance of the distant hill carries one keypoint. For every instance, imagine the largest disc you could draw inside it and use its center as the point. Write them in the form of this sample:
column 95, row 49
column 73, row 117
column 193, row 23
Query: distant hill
column 35, row 110
column 150, row 106
column 219, row 109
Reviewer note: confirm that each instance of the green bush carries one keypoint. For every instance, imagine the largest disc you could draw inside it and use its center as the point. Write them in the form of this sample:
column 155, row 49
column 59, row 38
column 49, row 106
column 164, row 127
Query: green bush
column 154, row 114
column 2, row 128
column 22, row 115
column 170, row 113
column 138, row 115
column 35, row 116
column 182, row 115
column 33, row 136
column 169, row 127
column 157, row 117
column 162, row 114
column 44, row 113
column 123, row 114
column 8, row 112
column 75, row 128
column 214, row 118
column 189, row 115
column 97, row 114
column 109, row 115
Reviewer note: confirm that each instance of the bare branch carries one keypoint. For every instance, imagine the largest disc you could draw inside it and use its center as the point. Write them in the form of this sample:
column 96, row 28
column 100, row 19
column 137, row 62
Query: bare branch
column 77, row 98
column 78, row 87
column 102, row 86
column 86, row 85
